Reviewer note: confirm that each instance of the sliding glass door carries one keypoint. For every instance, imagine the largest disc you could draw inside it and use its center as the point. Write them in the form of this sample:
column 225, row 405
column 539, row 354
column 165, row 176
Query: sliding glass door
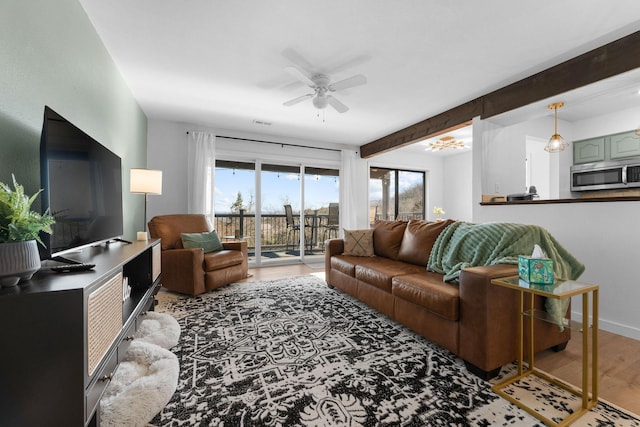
column 322, row 209
column 283, row 217
column 280, row 202
column 235, row 202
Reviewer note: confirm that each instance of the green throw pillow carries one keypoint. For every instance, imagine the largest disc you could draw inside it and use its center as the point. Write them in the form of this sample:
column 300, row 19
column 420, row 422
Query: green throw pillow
column 209, row 241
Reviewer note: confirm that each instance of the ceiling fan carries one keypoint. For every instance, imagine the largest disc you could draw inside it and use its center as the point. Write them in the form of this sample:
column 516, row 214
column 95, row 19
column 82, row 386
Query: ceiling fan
column 322, row 89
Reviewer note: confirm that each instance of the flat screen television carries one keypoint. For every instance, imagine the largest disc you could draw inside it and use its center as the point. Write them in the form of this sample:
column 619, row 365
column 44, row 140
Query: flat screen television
column 82, row 187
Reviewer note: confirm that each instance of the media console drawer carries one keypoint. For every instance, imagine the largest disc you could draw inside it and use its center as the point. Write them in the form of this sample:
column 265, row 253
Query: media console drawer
column 101, row 382
column 127, row 338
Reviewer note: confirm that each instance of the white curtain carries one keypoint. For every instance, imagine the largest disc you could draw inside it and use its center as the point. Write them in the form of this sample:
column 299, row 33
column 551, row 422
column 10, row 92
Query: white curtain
column 354, row 200
column 202, row 166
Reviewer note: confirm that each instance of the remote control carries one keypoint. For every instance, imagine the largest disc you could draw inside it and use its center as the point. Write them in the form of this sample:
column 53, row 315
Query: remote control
column 65, row 268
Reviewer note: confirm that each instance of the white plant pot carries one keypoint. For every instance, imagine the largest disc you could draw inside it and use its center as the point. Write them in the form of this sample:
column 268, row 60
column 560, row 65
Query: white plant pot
column 18, row 261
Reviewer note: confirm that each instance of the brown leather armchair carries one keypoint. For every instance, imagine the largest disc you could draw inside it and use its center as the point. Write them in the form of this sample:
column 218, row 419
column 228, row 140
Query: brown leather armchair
column 191, row 271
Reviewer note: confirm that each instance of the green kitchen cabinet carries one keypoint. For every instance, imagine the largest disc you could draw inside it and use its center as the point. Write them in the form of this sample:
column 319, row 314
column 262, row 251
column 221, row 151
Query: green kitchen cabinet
column 589, row 150
column 623, row 145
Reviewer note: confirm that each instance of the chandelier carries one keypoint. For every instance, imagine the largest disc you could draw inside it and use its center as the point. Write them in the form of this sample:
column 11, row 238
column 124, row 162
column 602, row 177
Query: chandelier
column 446, row 142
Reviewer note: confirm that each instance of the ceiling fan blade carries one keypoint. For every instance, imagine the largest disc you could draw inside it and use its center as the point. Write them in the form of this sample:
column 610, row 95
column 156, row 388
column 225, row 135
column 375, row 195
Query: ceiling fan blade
column 298, row 60
column 297, row 100
column 298, row 74
column 349, row 63
column 339, row 106
column 352, row 81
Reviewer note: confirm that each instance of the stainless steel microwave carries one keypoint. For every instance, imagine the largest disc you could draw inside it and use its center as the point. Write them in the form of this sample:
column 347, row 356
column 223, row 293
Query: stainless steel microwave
column 606, row 175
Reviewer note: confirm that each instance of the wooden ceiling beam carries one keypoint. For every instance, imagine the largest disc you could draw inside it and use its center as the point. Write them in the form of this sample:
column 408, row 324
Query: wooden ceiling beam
column 455, row 118
column 606, row 61
column 598, row 64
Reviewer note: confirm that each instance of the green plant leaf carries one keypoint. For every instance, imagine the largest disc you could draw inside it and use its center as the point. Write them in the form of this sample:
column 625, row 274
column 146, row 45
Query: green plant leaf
column 18, row 223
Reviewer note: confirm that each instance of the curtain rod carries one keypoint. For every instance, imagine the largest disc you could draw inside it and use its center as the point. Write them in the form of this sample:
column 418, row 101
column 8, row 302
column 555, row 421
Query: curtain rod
column 282, row 144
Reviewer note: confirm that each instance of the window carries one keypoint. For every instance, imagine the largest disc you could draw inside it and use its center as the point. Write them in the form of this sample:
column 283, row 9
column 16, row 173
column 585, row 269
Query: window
column 396, row 194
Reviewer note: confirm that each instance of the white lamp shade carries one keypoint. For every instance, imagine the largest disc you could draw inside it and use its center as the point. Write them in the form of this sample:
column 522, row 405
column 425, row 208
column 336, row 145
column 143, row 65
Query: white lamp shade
column 146, row 181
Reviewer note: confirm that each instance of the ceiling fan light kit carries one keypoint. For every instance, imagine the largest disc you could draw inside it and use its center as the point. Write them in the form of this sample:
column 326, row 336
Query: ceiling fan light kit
column 446, row 142
column 322, row 86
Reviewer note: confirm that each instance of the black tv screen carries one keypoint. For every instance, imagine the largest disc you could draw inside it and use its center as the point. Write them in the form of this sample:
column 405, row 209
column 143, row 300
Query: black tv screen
column 82, row 187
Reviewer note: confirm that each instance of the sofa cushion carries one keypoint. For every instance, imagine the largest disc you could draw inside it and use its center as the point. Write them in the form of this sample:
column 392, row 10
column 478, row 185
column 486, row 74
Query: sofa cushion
column 358, row 242
column 418, row 239
column 345, row 264
column 379, row 271
column 387, row 237
column 222, row 259
column 427, row 290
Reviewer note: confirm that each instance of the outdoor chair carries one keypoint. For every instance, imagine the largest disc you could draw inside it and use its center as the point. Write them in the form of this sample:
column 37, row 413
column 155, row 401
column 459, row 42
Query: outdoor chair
column 333, row 222
column 293, row 226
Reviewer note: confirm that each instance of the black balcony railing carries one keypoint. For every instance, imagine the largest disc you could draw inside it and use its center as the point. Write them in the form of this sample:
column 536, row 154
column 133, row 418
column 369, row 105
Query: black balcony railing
column 275, row 235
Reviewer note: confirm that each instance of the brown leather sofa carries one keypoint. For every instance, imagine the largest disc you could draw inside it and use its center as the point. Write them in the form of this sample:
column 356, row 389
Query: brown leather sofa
column 473, row 319
column 191, row 271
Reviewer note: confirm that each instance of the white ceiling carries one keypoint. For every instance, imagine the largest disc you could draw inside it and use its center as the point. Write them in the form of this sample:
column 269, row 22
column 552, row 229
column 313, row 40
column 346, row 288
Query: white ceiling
column 221, row 64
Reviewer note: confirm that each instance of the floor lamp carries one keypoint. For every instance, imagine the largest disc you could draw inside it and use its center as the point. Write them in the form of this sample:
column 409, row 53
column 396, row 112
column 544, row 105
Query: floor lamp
column 145, row 181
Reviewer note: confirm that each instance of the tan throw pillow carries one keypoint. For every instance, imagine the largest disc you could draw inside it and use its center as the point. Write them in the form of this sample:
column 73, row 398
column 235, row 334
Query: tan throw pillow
column 358, row 242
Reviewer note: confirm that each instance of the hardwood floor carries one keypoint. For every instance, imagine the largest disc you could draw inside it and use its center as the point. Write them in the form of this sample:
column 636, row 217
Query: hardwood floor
column 279, row 272
column 619, row 357
column 619, row 367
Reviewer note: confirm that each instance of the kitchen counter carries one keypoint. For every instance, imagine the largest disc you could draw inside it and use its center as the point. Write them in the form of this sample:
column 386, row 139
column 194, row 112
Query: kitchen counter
column 586, row 199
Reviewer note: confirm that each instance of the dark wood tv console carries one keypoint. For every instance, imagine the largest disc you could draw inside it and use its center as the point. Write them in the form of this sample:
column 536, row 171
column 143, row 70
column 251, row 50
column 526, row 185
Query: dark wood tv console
column 64, row 334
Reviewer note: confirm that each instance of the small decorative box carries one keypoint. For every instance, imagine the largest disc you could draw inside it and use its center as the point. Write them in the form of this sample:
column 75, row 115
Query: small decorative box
column 535, row 270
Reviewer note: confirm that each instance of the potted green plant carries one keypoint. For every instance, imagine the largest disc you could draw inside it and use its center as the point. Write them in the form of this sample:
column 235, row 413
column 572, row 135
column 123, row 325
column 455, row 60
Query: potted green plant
column 19, row 231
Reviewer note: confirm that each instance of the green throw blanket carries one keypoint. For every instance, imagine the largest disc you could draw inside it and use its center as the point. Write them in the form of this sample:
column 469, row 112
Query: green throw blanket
column 463, row 244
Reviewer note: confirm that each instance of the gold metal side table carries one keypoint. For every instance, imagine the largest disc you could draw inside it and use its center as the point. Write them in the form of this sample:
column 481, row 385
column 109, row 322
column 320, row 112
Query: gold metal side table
column 562, row 289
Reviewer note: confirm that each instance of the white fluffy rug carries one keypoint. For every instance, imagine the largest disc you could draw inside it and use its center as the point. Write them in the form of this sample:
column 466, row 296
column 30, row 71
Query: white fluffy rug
column 159, row 329
column 141, row 386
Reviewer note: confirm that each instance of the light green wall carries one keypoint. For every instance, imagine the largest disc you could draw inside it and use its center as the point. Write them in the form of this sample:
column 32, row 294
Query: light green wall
column 51, row 55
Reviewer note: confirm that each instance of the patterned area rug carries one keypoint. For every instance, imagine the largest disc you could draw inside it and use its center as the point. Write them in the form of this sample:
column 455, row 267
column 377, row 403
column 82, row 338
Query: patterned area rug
column 295, row 352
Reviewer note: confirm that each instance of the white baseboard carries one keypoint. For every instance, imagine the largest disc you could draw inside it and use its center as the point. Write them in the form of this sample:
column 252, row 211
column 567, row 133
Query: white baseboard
column 613, row 327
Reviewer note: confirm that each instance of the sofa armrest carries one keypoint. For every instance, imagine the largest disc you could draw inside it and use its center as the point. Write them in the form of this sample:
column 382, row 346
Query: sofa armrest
column 183, row 271
column 487, row 317
column 237, row 245
column 242, row 246
column 331, row 247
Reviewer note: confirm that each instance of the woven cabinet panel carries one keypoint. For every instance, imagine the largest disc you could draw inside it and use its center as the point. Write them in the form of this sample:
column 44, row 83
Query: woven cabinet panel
column 104, row 320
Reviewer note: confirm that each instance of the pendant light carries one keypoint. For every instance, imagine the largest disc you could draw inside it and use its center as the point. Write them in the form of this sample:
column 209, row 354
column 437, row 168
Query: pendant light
column 556, row 142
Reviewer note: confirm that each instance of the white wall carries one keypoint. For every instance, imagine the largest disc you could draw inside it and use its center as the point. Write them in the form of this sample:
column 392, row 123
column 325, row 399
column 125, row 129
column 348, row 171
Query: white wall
column 619, row 121
column 457, row 186
column 167, row 151
column 602, row 235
